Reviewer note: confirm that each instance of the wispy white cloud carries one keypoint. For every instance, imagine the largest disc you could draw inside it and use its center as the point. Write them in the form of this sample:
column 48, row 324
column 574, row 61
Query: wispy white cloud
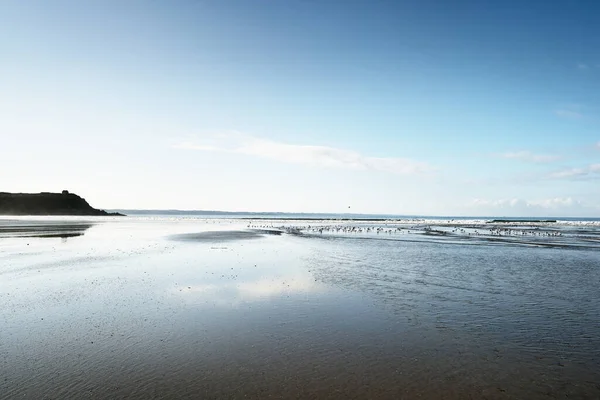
column 319, row 156
column 530, row 157
column 587, row 66
column 568, row 113
column 591, row 171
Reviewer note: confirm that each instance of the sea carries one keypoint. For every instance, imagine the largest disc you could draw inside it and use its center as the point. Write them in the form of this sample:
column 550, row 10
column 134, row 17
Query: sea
column 184, row 305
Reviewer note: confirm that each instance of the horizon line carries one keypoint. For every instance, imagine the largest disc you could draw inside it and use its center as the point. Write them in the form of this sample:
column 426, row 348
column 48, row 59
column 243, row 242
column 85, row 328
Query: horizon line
column 197, row 211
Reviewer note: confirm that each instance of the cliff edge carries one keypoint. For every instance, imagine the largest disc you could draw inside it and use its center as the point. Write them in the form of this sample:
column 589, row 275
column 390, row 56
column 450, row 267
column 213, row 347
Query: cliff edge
column 45, row 203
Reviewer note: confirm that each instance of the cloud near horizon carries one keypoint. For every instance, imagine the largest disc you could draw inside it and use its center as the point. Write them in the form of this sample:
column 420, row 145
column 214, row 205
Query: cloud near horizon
column 530, row 157
column 553, row 204
column 319, row 156
column 591, row 171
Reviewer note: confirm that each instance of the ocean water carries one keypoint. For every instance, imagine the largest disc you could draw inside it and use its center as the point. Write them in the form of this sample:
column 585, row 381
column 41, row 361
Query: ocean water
column 195, row 307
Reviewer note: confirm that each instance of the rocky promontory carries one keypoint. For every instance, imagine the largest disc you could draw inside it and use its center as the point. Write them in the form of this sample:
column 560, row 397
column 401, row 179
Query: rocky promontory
column 46, row 203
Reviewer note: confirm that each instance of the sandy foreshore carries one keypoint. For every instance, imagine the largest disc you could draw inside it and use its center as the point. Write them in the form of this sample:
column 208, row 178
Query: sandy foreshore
column 196, row 308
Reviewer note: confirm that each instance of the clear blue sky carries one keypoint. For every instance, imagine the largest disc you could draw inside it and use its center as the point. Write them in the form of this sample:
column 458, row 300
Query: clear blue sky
column 409, row 107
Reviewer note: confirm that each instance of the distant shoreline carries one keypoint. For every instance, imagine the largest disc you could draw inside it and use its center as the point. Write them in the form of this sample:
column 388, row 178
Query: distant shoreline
column 289, row 216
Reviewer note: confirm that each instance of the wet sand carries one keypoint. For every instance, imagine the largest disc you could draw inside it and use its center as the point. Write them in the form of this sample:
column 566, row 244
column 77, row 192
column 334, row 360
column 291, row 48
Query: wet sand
column 224, row 236
column 190, row 308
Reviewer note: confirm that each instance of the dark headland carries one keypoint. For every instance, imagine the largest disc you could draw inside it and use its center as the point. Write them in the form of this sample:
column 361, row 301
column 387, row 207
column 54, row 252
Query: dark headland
column 46, row 203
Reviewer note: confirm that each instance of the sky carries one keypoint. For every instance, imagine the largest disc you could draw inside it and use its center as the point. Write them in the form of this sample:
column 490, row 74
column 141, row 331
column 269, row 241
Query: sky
column 462, row 108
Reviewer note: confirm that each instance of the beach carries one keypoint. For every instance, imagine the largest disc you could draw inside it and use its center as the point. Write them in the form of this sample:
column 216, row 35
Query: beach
column 194, row 307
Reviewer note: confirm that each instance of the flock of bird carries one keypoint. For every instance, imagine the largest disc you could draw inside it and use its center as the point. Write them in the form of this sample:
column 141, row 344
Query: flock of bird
column 522, row 232
column 426, row 229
